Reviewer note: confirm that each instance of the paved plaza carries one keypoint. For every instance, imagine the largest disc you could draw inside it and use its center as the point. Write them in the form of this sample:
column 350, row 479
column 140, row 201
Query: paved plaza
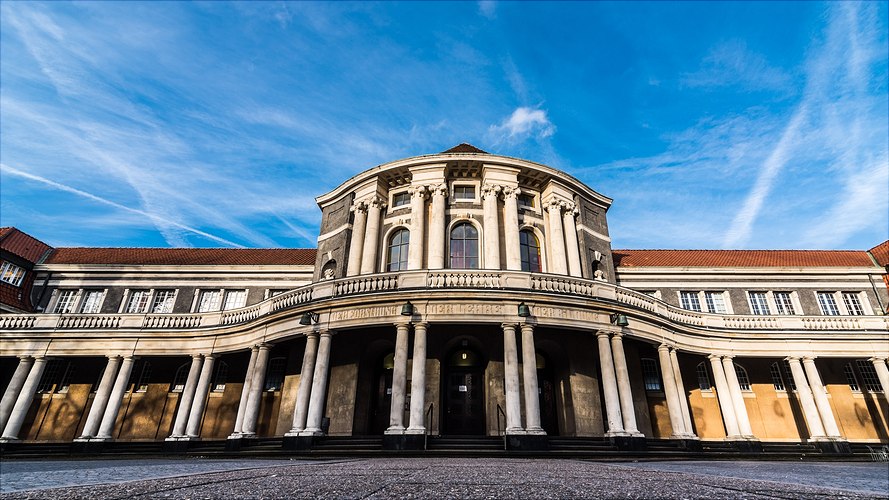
column 438, row 478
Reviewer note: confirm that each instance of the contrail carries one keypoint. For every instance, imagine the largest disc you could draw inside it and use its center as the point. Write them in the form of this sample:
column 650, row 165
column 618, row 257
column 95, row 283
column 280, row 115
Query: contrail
column 153, row 217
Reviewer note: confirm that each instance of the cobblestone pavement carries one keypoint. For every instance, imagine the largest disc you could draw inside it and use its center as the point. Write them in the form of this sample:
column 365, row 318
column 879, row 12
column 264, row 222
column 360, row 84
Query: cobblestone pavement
column 442, row 478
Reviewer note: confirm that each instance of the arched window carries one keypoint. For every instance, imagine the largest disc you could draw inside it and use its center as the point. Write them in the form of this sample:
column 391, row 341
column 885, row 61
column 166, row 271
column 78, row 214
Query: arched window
column 398, row 245
column 464, row 246
column 530, row 250
column 180, row 378
column 743, row 379
column 703, row 377
column 274, row 378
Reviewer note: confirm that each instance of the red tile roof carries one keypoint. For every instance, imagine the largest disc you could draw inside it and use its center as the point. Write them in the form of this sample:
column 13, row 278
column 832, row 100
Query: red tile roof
column 185, row 256
column 22, row 244
column 742, row 258
column 881, row 253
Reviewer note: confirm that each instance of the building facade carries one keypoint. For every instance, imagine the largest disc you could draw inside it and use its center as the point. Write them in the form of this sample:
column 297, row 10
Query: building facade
column 460, row 293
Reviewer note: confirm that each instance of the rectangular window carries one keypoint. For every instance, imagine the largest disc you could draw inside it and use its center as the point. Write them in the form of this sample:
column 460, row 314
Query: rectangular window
column 163, row 301
column 828, row 304
column 526, row 201
column 138, row 302
column 690, row 301
column 715, row 302
column 92, row 301
column 788, row 376
column 758, row 303
column 869, row 375
column 853, row 303
column 11, row 273
column 650, row 375
column 464, row 193
column 743, row 379
column 144, row 377
column 850, row 378
column 209, row 301
column 234, row 299
column 65, row 304
column 401, row 199
column 783, row 303
column 703, row 377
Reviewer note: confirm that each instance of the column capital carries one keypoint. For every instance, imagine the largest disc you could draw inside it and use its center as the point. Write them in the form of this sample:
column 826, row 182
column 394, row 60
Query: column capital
column 511, row 193
column 808, row 359
column 491, row 190
column 359, row 206
column 25, row 357
column 311, row 334
column 526, row 326
column 264, row 345
column 792, row 358
column 603, row 333
column 402, row 324
column 377, row 202
column 439, row 190
column 211, row 355
column 553, row 206
column 508, row 325
column 876, row 359
column 417, row 191
column 423, row 325
column 717, row 357
column 663, row 347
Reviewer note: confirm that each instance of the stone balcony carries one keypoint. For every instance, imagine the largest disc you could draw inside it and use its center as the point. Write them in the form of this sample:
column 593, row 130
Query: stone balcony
column 602, row 295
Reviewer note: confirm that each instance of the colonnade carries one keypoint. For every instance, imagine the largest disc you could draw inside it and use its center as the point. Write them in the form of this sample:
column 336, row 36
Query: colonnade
column 620, row 419
column 561, row 232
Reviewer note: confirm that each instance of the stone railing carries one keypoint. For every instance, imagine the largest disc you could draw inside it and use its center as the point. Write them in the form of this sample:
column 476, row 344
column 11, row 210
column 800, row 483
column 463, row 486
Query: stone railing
column 607, row 294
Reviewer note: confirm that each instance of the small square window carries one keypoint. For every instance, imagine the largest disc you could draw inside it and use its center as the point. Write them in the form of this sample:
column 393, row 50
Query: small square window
column 526, row 201
column 690, row 301
column 401, row 199
column 464, row 193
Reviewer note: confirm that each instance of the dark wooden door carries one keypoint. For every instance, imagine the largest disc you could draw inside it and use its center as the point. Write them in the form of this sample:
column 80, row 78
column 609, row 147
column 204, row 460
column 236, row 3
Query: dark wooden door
column 382, row 403
column 548, row 418
column 464, row 402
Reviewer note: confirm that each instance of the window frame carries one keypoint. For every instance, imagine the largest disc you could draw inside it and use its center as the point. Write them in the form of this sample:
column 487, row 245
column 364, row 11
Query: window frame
column 703, row 374
column 12, row 274
column 755, row 305
column 743, row 378
column 651, row 375
column 522, row 246
column 228, row 293
column 823, row 304
column 464, row 184
column 478, row 245
column 403, row 249
column 395, row 197
column 59, row 298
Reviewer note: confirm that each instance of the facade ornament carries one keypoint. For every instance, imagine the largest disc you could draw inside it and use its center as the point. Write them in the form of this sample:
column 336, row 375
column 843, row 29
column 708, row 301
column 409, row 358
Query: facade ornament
column 378, row 201
column 438, row 190
column 599, row 275
column 417, row 191
column 491, row 190
column 359, row 206
column 511, row 193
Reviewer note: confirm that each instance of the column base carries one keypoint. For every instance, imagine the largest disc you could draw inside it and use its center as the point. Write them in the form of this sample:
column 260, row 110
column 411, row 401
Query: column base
column 316, row 432
column 415, row 430
column 627, row 442
column 394, row 431
column 297, row 442
column 535, row 431
column 832, row 446
column 745, row 444
column 403, row 441
column 5, row 439
column 239, row 441
column 527, row 442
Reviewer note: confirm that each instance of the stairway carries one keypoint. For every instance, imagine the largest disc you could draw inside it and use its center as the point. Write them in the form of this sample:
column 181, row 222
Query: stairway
column 465, row 446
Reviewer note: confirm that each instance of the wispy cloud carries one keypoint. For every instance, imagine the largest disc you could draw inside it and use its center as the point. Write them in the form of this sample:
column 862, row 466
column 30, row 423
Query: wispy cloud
column 732, row 63
column 487, row 8
column 99, row 199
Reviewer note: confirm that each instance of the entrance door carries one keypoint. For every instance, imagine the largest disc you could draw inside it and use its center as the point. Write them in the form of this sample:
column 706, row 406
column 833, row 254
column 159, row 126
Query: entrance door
column 464, row 403
column 382, row 397
column 547, row 391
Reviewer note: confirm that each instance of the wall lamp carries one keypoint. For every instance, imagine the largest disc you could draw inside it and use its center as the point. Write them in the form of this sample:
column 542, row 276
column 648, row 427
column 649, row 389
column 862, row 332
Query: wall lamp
column 309, row 318
column 524, row 310
column 619, row 319
column 407, row 309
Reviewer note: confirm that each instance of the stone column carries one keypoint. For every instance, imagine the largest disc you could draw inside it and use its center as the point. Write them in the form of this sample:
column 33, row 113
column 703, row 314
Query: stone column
column 319, row 387
column 11, row 394
column 23, row 401
column 627, row 410
column 556, row 239
column 399, row 380
column 245, row 393
column 882, row 373
column 571, row 243
column 734, row 387
column 418, row 381
column 199, row 402
column 511, row 229
column 100, row 400
column 683, row 398
column 435, row 259
column 490, row 193
column 254, row 398
column 121, row 383
column 724, row 398
column 804, row 393
column 820, row 394
column 416, row 249
column 371, row 236
column 356, row 245
column 671, row 391
column 187, row 396
column 511, row 380
column 609, row 386
column 304, row 389
column 529, row 374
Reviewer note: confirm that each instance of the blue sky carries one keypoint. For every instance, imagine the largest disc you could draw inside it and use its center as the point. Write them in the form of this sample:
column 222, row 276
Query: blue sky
column 712, row 125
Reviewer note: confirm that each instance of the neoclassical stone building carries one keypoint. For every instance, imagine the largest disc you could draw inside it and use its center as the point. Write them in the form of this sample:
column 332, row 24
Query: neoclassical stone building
column 460, row 293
